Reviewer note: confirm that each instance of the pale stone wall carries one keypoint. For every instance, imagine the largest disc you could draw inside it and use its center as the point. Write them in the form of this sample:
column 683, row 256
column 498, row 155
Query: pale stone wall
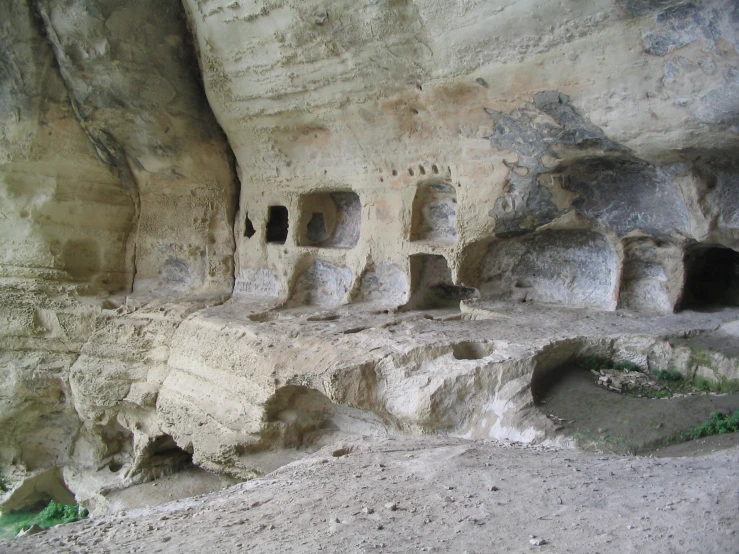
column 216, row 214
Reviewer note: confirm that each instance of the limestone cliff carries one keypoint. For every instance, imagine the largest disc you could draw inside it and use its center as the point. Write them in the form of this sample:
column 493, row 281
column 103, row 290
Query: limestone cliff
column 232, row 226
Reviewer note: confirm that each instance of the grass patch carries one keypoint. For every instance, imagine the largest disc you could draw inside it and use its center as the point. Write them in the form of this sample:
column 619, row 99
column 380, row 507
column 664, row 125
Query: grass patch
column 669, row 376
column 667, row 384
column 650, row 393
column 12, row 523
column 717, row 424
column 723, row 385
column 664, row 384
column 700, row 357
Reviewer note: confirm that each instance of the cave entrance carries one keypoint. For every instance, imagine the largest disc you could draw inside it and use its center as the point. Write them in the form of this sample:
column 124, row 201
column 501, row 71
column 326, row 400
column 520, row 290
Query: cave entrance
column 165, row 449
column 711, row 278
column 278, row 225
column 432, row 286
column 34, row 494
column 162, row 456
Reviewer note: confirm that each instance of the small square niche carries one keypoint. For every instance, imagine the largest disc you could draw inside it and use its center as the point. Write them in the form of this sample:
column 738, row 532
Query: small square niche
column 330, row 219
column 434, row 215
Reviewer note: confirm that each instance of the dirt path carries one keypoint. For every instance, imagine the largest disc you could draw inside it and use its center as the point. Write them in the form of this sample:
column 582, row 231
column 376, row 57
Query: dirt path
column 439, row 495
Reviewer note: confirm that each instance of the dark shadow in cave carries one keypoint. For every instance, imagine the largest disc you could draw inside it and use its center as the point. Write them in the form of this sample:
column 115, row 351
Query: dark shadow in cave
column 711, row 278
column 278, row 224
column 162, row 457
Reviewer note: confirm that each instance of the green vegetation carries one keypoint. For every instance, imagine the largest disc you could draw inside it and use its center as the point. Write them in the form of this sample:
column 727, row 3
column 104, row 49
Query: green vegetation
column 669, row 376
column 13, row 523
column 647, row 392
column 700, row 357
column 4, row 484
column 669, row 383
column 664, row 384
column 702, row 384
column 717, row 424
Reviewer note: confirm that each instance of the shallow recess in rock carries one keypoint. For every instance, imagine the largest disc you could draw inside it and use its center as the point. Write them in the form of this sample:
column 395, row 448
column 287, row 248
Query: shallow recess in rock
column 624, row 195
column 434, row 215
column 38, row 490
column 163, row 456
column 712, row 277
column 652, row 275
column 384, row 284
column 432, row 285
column 331, row 219
column 354, row 330
column 118, row 442
column 295, row 415
column 322, row 284
column 263, row 317
column 278, row 224
column 81, row 258
column 472, row 350
column 324, row 317
column 578, row 268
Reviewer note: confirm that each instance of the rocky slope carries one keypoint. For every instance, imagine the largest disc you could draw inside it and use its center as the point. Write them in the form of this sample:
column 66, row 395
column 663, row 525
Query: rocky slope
column 233, row 229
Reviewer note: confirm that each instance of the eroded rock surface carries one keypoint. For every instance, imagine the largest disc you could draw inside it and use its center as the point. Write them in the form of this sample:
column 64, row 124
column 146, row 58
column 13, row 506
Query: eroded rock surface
column 234, row 231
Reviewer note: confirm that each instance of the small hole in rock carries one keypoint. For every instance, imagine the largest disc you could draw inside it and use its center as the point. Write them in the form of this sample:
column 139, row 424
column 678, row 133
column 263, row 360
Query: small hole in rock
column 262, row 317
column 410, row 172
column 471, row 350
column 277, row 225
column 249, row 230
column 324, row 317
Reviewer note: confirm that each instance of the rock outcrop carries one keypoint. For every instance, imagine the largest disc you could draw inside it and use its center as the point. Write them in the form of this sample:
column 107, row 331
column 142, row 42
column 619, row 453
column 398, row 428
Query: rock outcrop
column 231, row 227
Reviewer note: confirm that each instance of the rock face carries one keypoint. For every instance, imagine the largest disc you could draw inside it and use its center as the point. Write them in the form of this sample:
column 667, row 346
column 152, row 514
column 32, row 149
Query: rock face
column 114, row 177
column 223, row 222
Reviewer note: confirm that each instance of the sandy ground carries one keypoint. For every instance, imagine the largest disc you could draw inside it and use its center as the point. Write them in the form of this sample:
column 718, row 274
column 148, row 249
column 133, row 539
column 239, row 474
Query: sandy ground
column 439, row 495
column 621, row 423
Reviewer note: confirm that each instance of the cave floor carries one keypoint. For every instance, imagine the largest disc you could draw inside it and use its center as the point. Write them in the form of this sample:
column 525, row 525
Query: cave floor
column 617, row 422
column 435, row 494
